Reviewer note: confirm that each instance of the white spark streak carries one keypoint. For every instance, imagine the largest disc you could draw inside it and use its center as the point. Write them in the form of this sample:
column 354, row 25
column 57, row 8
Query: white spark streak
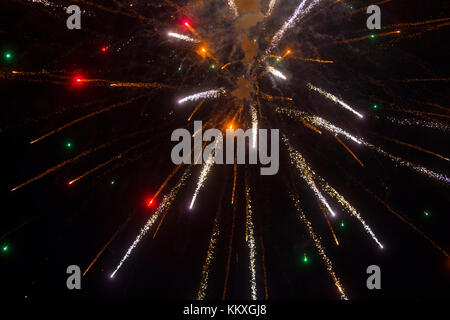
column 203, row 95
column 334, row 99
column 182, row 37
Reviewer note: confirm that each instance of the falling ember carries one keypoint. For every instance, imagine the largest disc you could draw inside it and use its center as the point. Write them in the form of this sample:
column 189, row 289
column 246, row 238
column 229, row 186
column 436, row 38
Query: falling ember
column 334, row 99
column 211, row 94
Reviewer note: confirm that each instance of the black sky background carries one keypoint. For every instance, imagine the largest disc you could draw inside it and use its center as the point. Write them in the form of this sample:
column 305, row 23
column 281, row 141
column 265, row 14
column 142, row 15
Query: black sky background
column 69, row 225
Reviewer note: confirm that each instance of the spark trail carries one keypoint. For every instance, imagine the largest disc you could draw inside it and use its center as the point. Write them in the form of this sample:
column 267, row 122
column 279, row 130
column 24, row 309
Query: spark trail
column 211, row 94
column 210, row 256
column 251, row 242
column 334, row 99
column 308, row 226
column 204, row 174
column 165, row 205
column 182, row 37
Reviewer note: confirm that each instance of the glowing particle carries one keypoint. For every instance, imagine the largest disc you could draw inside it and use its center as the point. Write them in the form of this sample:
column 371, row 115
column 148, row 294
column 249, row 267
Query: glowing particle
column 305, row 258
column 372, row 36
column 8, row 55
column 426, row 213
column 5, row 248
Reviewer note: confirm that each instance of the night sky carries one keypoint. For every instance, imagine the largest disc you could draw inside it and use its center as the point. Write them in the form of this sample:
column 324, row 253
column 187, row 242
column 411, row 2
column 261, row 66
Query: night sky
column 48, row 224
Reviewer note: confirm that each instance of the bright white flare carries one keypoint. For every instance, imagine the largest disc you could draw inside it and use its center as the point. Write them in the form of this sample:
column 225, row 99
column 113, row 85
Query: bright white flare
column 203, row 95
column 182, row 37
column 276, row 72
column 165, row 205
column 334, row 99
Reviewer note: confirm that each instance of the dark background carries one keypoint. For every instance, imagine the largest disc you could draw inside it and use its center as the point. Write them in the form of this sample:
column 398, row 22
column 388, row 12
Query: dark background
column 54, row 225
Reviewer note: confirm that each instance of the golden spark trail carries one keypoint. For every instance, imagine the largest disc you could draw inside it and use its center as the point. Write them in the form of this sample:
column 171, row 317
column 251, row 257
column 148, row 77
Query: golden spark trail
column 435, row 105
column 106, row 246
column 119, row 156
column 210, row 256
column 302, row 116
column 415, row 147
column 225, row 65
column 196, row 109
column 234, row 179
column 350, row 151
column 329, row 223
column 378, row 35
column 311, row 59
column 319, row 247
column 164, row 205
column 90, row 115
column 254, row 115
column 211, row 94
column 251, row 241
column 94, row 169
column 165, row 182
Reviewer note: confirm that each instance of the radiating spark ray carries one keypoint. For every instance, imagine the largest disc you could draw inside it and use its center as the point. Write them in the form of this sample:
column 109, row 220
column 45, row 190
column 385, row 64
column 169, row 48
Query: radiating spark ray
column 164, row 205
column 334, row 99
column 182, row 37
column 271, row 7
column 106, row 246
column 251, row 242
column 90, row 115
column 211, row 94
column 424, row 171
column 321, row 123
column 308, row 226
column 416, row 147
column 399, row 216
column 349, row 151
column 203, row 175
column 196, row 109
column 210, row 256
